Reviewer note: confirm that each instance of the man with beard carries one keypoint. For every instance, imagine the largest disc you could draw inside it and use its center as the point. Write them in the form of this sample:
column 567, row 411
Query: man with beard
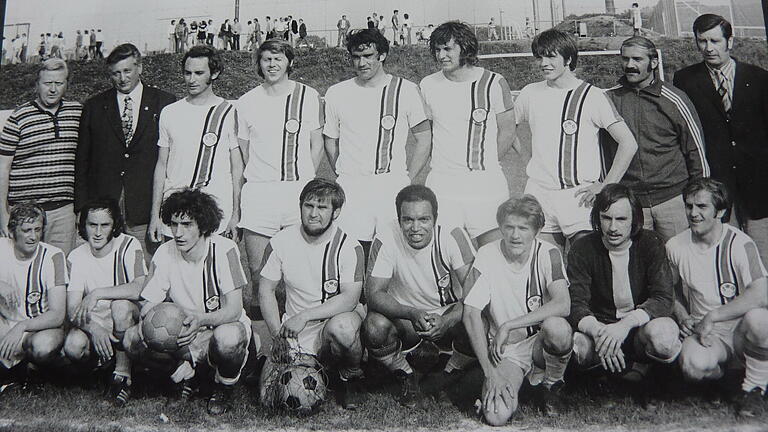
column 414, row 305
column 322, row 270
column 670, row 142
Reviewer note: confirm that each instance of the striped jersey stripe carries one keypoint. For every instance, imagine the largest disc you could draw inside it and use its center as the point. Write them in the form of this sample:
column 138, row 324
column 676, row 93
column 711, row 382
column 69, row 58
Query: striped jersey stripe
column 477, row 128
column 693, row 127
column 569, row 136
column 214, row 123
column 294, row 110
column 390, row 107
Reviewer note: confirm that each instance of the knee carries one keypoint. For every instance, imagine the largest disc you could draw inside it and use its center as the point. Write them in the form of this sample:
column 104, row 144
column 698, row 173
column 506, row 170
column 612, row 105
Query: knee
column 229, row 339
column 755, row 325
column 558, row 336
column 501, row 415
column 378, row 330
column 76, row 345
column 123, row 313
column 343, row 329
column 695, row 362
column 663, row 341
column 132, row 343
column 46, row 345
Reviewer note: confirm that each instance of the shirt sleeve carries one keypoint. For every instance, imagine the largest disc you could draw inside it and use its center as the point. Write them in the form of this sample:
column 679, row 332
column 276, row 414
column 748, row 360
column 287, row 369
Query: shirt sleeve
column 458, row 248
column 604, row 111
column 501, row 96
column 521, row 106
column 478, row 286
column 380, row 260
column 164, row 139
column 331, row 126
column 351, row 262
column 414, row 105
column 313, row 112
column 747, row 261
column 230, row 271
column 10, row 136
column 156, row 288
column 135, row 260
column 659, row 274
column 273, row 266
column 424, row 91
column 691, row 135
column 58, row 269
column 552, row 267
column 233, row 128
column 581, row 282
column 77, row 280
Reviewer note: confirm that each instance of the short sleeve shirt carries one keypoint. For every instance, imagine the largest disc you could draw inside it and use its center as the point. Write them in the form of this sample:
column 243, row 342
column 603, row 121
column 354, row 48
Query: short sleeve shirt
column 421, row 278
column 312, row 273
column 31, row 279
column 512, row 293
column 372, row 124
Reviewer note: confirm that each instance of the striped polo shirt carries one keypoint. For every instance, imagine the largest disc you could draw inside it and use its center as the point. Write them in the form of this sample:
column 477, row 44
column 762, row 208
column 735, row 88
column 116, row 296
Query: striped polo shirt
column 43, row 146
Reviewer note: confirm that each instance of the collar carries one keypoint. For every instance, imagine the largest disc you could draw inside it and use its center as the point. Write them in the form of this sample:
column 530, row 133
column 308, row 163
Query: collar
column 727, row 70
column 135, row 95
column 653, row 88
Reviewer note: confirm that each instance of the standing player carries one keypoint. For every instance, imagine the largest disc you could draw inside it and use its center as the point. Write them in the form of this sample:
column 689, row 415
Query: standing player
column 322, row 270
column 473, row 125
column 565, row 115
column 412, row 300
column 284, row 119
column 621, row 291
column 671, row 152
column 515, row 312
column 722, row 305
column 106, row 276
column 199, row 146
column 200, row 272
column 368, row 119
column 33, row 279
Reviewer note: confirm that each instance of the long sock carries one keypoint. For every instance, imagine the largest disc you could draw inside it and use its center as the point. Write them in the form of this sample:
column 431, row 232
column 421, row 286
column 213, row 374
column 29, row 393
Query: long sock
column 122, row 365
column 554, row 367
column 459, row 361
column 756, row 359
column 391, row 357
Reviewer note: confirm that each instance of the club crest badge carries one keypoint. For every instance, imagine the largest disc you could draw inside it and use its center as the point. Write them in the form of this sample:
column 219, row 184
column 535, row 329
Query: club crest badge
column 388, row 122
column 292, row 126
column 210, row 139
column 331, row 286
column 727, row 289
column 33, row 297
column 212, row 303
column 479, row 115
column 444, row 281
column 534, row 302
column 570, row 127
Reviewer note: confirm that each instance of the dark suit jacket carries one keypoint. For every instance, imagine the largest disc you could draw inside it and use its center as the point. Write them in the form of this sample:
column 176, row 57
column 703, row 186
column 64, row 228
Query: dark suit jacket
column 736, row 147
column 104, row 165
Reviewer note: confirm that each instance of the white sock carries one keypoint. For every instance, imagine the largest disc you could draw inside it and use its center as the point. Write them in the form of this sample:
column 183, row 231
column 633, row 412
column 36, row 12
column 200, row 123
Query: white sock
column 756, row 374
column 554, row 367
column 458, row 361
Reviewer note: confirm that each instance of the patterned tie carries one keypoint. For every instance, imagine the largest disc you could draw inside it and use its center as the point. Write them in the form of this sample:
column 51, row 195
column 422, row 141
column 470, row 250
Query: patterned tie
column 722, row 90
column 127, row 120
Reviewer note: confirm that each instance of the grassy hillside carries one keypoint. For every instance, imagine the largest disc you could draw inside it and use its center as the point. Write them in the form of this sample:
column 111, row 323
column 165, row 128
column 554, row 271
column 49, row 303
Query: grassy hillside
column 321, row 68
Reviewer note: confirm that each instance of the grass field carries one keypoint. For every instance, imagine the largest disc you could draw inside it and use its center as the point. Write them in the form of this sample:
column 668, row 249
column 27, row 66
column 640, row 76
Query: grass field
column 59, row 407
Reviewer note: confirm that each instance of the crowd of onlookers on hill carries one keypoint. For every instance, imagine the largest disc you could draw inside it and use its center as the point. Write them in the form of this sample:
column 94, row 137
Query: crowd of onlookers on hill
column 88, row 46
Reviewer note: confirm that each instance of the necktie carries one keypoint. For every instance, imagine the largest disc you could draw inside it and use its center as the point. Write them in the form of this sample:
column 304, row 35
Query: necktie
column 127, row 120
column 722, row 90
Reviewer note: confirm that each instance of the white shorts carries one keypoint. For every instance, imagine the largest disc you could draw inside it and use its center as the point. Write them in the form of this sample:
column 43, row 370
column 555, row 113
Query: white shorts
column 310, row 340
column 268, row 207
column 370, row 203
column 521, row 353
column 469, row 200
column 562, row 213
column 199, row 347
column 18, row 356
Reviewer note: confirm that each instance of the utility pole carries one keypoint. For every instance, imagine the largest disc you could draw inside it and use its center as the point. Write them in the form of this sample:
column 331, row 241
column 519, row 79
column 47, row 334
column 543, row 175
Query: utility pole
column 552, row 12
column 535, row 17
column 564, row 15
column 237, row 9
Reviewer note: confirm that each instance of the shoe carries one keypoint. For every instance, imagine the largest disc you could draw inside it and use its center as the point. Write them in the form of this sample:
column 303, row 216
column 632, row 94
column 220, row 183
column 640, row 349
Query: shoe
column 352, row 397
column 219, row 402
column 549, row 399
column 409, row 389
column 119, row 390
column 186, row 389
column 750, row 404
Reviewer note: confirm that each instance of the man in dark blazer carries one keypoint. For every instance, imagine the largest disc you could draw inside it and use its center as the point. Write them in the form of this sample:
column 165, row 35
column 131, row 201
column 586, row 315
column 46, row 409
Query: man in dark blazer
column 117, row 148
column 731, row 98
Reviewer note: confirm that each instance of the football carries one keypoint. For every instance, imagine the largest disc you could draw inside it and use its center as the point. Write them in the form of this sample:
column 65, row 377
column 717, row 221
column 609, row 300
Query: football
column 161, row 327
column 301, row 388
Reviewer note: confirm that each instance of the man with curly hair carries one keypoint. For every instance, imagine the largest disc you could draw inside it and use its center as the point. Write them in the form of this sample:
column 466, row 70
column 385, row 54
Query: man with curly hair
column 200, row 272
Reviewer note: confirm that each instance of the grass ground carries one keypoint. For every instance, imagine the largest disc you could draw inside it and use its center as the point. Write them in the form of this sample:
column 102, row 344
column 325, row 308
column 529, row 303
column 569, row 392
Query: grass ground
column 75, row 409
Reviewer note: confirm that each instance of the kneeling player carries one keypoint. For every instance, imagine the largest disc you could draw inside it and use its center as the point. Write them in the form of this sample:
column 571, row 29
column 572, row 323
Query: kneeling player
column 722, row 306
column 412, row 300
column 200, row 272
column 521, row 281
column 621, row 290
column 322, row 269
column 33, row 279
column 107, row 274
